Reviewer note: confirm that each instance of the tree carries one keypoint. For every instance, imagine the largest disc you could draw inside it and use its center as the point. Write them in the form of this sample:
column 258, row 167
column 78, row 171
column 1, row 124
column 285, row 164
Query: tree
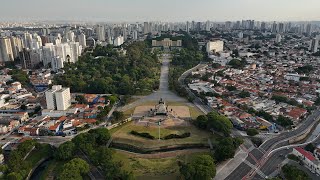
column 65, row 151
column 252, row 132
column 216, row 65
column 244, row 94
column 81, row 99
column 310, row 147
column 237, row 64
column 101, row 135
column 113, row 99
column 219, row 123
column 293, row 173
column 284, row 121
column 231, row 88
column 74, row 169
column 14, row 176
column 201, row 167
column 202, row 121
column 226, row 148
column 118, row 115
column 23, row 107
column 265, row 115
column 112, row 73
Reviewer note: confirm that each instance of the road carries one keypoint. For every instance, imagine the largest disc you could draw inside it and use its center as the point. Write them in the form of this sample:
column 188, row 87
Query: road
column 197, row 101
column 267, row 163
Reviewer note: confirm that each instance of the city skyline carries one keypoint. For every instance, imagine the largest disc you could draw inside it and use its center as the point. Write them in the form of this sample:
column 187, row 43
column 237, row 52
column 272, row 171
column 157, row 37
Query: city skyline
column 169, row 11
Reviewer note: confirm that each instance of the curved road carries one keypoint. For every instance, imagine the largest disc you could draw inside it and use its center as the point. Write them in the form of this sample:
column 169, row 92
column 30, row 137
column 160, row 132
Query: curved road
column 268, row 164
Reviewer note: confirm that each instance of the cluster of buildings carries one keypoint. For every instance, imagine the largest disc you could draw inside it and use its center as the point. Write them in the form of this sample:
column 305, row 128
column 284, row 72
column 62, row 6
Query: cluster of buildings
column 15, row 103
column 60, row 117
column 265, row 70
column 167, row 43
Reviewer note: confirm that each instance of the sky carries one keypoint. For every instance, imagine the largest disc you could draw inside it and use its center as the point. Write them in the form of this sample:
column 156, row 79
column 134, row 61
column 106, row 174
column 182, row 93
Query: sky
column 159, row 10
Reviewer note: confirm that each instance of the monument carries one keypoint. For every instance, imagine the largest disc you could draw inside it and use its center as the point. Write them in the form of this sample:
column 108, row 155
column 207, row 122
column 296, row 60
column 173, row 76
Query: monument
column 160, row 109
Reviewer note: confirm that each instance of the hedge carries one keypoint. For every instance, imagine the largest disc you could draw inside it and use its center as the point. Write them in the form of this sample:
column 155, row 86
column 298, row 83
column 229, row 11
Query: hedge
column 144, row 135
column 176, row 136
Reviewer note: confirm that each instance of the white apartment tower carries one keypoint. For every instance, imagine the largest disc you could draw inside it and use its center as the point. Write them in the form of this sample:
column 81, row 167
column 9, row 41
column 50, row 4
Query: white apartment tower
column 278, row 38
column 214, row 46
column 70, row 36
column 101, row 33
column 314, row 45
column 58, row 98
column 82, row 40
column 6, row 53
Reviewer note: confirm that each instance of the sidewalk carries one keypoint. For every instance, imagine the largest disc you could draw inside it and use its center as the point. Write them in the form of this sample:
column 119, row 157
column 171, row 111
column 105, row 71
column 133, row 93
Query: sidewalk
column 226, row 168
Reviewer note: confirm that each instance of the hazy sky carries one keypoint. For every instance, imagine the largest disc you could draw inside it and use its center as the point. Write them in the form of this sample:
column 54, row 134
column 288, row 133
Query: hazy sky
column 162, row 10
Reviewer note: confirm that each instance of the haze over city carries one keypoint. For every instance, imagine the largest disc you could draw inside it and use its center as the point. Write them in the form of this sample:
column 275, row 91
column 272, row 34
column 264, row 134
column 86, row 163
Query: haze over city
column 165, row 10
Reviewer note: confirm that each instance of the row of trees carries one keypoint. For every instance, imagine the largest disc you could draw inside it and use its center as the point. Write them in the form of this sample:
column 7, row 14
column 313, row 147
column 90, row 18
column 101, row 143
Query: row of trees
column 199, row 167
column 226, row 146
column 20, row 75
column 17, row 167
column 237, row 63
column 92, row 144
column 183, row 60
column 214, row 121
column 294, row 173
column 112, row 73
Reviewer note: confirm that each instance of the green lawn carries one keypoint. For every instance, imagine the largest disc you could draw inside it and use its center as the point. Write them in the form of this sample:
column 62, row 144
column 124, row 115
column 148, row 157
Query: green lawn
column 122, row 135
column 155, row 168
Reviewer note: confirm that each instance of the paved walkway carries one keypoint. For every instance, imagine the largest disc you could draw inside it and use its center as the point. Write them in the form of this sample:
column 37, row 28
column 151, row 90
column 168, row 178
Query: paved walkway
column 163, row 91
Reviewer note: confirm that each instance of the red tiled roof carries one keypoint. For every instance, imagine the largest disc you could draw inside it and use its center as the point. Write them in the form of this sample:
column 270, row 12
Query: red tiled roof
column 296, row 113
column 54, row 127
column 89, row 121
column 306, row 154
column 62, row 118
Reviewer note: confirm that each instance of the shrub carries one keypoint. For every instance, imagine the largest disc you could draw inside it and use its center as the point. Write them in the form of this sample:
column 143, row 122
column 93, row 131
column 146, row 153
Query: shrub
column 252, row 132
column 293, row 157
column 176, row 136
column 144, row 135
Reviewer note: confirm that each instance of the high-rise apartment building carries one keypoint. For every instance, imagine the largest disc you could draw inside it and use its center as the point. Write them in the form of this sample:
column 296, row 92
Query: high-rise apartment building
column 70, row 36
column 58, row 98
column 16, row 45
column 48, row 52
column 214, row 46
column 309, row 30
column 314, row 45
column 145, row 28
column 82, row 40
column 101, row 33
column 30, row 58
column 6, row 53
column 278, row 38
column 188, row 27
